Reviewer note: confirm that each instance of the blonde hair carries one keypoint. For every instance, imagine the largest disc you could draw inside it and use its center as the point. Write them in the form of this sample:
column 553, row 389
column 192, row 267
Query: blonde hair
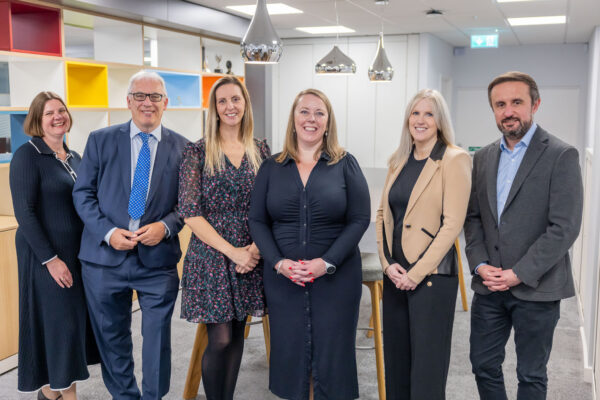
column 442, row 119
column 330, row 143
column 215, row 158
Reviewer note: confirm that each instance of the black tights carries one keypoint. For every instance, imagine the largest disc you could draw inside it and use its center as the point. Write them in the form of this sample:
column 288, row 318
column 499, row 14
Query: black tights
column 222, row 359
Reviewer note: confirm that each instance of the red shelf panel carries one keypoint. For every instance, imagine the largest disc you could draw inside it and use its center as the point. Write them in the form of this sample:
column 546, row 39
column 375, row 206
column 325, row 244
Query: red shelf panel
column 30, row 28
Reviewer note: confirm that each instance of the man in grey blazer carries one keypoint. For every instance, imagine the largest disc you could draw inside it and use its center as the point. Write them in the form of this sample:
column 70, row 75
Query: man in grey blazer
column 524, row 214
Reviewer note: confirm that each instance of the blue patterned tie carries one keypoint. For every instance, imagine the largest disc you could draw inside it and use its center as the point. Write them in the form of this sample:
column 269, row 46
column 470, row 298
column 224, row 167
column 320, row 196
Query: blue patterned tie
column 139, row 189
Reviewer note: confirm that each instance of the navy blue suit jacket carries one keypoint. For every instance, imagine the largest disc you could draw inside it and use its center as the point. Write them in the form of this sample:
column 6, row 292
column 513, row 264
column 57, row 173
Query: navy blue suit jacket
column 101, row 196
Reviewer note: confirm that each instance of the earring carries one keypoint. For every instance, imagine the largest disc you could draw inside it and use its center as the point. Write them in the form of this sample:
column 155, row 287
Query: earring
column 325, row 133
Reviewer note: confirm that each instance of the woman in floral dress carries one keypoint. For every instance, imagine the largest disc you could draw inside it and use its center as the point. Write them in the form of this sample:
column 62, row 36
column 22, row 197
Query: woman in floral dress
column 222, row 276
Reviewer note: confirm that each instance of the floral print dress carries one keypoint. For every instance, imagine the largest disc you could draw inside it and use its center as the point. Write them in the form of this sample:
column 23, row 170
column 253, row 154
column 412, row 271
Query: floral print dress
column 212, row 291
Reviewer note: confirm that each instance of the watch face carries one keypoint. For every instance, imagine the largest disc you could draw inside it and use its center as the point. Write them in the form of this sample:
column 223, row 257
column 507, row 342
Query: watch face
column 330, row 269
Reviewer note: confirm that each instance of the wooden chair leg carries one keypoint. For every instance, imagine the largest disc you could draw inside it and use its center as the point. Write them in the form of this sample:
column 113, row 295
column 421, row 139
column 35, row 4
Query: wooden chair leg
column 192, row 381
column 267, row 333
column 247, row 330
column 369, row 333
column 461, row 278
column 375, row 289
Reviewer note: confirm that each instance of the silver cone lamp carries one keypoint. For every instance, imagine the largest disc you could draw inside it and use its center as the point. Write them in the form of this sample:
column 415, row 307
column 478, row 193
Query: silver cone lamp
column 381, row 70
column 261, row 44
column 335, row 63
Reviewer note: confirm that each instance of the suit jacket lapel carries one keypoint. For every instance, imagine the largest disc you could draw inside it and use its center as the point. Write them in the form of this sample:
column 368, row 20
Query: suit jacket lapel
column 125, row 157
column 536, row 147
column 163, row 152
column 492, row 178
column 427, row 173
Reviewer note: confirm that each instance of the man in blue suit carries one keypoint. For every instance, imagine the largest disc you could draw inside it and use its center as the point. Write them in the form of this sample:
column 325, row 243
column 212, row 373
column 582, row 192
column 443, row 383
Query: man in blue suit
column 126, row 195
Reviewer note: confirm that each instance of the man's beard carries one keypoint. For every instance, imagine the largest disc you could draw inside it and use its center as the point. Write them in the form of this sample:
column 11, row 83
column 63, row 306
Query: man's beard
column 518, row 133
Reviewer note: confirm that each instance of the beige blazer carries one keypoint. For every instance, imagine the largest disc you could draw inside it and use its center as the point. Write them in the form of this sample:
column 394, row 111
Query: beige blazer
column 443, row 188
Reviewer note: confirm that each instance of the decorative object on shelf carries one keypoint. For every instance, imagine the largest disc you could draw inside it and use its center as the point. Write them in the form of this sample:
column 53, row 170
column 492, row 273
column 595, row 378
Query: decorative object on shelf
column 218, row 69
column 261, row 44
column 228, row 65
column 205, row 67
column 381, row 69
column 336, row 62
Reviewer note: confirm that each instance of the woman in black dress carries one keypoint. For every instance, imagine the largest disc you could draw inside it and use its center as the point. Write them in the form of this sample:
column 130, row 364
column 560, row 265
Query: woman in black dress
column 222, row 277
column 310, row 207
column 55, row 339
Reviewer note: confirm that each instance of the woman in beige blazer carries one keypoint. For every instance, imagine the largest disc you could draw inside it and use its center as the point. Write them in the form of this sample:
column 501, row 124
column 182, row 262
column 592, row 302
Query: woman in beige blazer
column 422, row 211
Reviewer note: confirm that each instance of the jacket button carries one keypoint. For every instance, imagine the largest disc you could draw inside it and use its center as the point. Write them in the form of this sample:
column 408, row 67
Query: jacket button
column 496, row 248
column 407, row 226
column 429, row 284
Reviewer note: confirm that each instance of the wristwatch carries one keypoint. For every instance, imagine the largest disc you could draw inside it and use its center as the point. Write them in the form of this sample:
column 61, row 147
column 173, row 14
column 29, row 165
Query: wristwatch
column 329, row 268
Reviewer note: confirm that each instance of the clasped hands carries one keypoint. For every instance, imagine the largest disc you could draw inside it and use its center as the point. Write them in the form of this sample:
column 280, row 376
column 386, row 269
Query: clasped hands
column 399, row 277
column 149, row 235
column 497, row 279
column 302, row 272
column 245, row 258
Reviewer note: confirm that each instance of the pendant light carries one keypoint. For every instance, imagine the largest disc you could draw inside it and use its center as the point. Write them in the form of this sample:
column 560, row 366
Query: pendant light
column 336, row 62
column 381, row 70
column 261, row 44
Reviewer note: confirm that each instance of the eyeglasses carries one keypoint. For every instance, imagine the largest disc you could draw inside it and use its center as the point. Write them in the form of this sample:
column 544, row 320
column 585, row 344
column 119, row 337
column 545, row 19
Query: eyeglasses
column 154, row 97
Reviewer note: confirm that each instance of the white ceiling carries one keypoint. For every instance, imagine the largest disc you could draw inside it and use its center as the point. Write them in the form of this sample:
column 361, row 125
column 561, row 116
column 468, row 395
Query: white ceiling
column 461, row 18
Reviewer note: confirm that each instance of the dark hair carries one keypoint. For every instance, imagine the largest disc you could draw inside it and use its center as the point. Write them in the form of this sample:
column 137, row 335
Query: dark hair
column 33, row 121
column 515, row 76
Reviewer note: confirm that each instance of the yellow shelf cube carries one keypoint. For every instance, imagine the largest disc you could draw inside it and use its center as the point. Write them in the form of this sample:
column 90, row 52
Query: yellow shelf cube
column 87, row 84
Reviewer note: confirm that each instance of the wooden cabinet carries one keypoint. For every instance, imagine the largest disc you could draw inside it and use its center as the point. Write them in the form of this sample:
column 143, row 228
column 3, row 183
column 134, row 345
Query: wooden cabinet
column 9, row 288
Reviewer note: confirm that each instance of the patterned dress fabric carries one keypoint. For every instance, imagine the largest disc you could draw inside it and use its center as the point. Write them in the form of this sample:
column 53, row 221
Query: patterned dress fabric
column 212, row 291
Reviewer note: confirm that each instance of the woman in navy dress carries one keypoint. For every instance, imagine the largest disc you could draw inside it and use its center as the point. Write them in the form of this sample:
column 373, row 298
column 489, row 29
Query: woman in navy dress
column 310, row 207
column 56, row 342
column 222, row 277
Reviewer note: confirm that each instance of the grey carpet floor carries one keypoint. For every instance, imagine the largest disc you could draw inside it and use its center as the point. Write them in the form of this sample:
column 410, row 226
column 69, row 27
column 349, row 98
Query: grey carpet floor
column 565, row 367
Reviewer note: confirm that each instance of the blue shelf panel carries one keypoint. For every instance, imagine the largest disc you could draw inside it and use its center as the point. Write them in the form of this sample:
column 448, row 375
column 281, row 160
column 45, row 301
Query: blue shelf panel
column 183, row 89
column 12, row 135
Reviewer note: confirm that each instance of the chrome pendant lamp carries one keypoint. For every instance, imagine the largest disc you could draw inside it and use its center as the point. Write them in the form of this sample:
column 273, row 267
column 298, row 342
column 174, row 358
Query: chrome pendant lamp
column 336, row 62
column 381, row 70
column 261, row 44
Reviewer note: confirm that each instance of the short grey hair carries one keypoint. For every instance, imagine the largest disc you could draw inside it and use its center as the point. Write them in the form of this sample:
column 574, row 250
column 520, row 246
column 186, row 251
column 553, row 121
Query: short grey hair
column 145, row 74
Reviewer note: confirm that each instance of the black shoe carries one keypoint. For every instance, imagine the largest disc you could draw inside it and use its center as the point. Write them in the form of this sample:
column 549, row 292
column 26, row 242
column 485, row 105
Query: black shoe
column 41, row 396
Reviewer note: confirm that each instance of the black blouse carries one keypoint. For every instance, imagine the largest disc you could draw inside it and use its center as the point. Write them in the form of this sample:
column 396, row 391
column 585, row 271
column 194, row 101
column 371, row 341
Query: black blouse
column 398, row 198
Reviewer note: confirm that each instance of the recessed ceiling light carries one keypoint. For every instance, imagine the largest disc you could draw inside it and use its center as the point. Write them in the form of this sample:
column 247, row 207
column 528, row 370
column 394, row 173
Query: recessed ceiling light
column 319, row 30
column 274, row 9
column 557, row 19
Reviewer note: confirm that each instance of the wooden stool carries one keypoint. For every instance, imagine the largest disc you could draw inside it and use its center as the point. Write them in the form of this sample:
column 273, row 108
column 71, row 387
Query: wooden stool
column 194, row 375
column 461, row 278
column 372, row 277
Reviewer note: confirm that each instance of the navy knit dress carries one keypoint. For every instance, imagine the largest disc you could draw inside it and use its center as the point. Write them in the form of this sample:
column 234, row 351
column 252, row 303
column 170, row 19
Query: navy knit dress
column 55, row 339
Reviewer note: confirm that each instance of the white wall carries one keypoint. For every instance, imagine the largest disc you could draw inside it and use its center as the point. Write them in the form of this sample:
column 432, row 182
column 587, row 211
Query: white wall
column 435, row 65
column 562, row 77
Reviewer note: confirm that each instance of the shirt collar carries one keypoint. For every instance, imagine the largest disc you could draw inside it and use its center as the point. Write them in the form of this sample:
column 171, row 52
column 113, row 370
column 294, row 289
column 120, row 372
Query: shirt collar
column 43, row 148
column 134, row 130
column 525, row 140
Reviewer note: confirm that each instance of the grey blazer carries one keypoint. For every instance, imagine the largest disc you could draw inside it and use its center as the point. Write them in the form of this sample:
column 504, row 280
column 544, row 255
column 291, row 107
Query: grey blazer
column 540, row 221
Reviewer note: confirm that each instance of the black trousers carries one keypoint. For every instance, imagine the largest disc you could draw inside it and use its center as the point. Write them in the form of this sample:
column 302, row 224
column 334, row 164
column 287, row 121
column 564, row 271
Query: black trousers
column 417, row 337
column 492, row 317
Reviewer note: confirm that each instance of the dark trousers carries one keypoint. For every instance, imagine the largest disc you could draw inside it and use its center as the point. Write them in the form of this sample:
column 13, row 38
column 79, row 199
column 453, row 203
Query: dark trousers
column 492, row 317
column 417, row 337
column 109, row 296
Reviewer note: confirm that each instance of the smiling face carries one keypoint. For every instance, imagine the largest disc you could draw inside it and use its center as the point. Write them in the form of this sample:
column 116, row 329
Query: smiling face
column 230, row 104
column 513, row 109
column 310, row 120
column 55, row 119
column 146, row 114
column 421, row 123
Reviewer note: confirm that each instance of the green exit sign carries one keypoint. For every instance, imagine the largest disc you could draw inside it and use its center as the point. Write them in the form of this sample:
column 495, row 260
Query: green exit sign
column 484, row 41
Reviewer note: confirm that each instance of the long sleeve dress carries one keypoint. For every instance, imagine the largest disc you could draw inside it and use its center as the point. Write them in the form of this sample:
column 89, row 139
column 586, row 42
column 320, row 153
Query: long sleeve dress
column 313, row 328
column 213, row 292
column 56, row 342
